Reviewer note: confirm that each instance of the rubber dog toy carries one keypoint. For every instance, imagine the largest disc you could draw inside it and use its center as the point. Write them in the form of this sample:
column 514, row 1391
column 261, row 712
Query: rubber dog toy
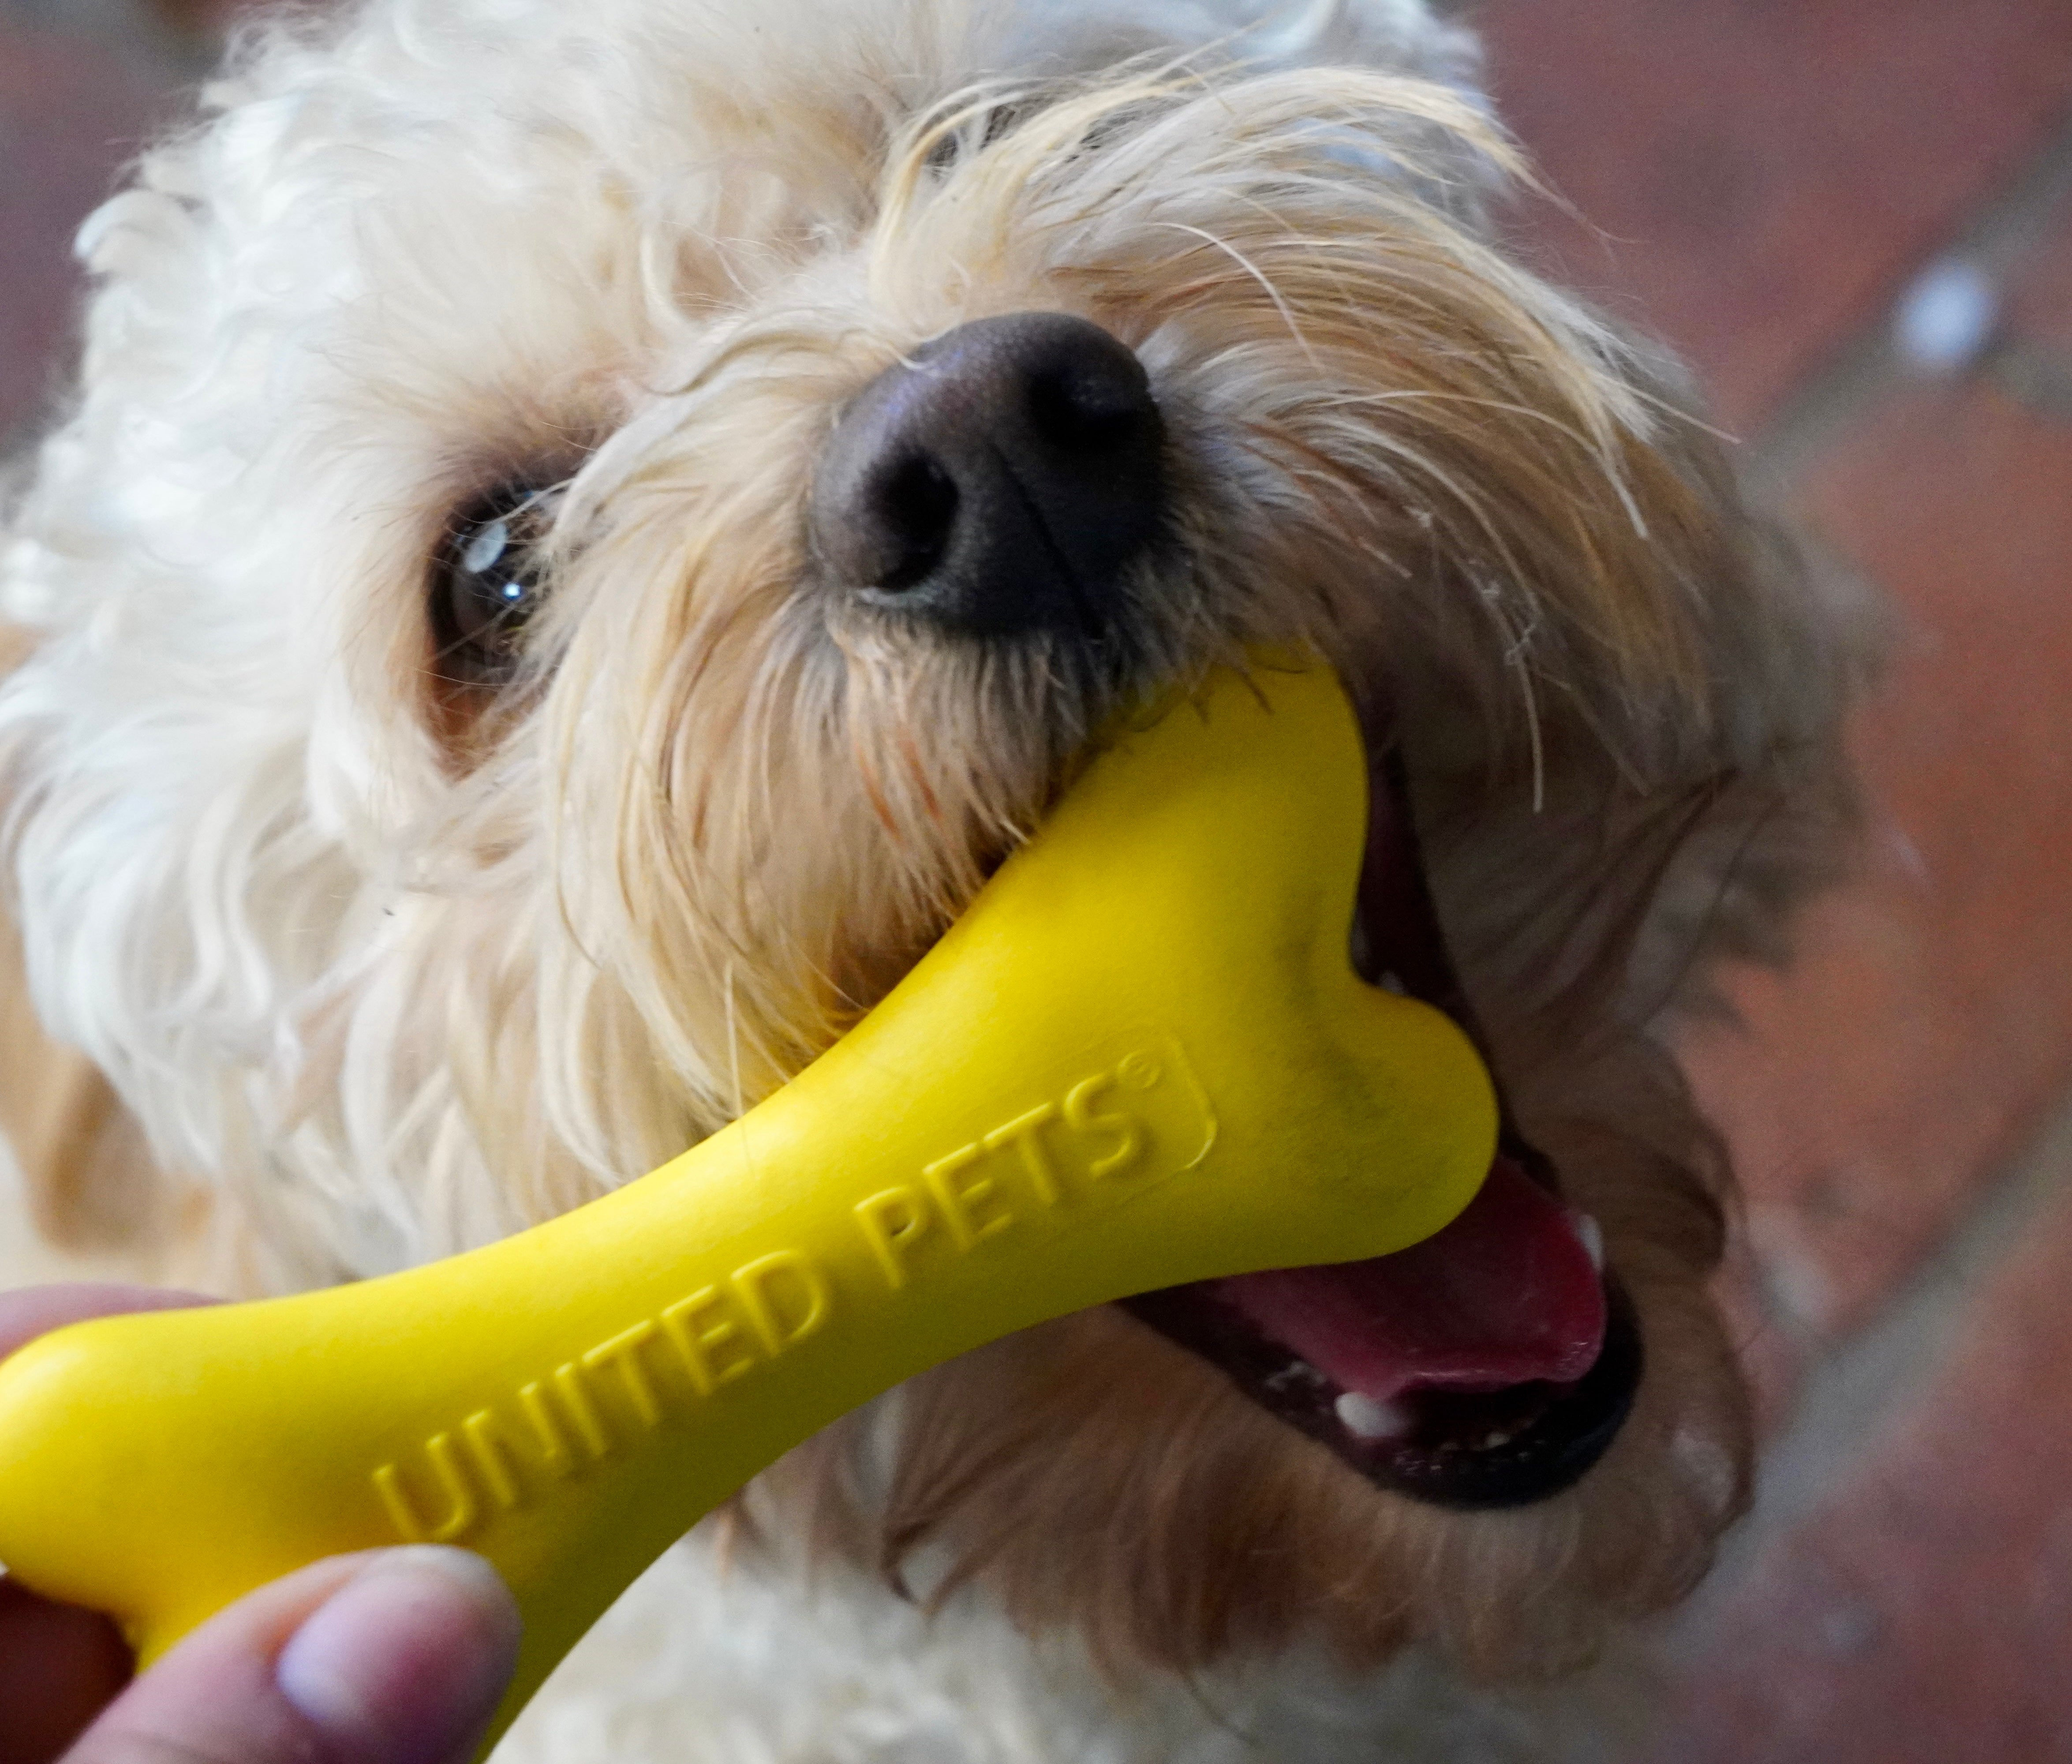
column 1140, row 1058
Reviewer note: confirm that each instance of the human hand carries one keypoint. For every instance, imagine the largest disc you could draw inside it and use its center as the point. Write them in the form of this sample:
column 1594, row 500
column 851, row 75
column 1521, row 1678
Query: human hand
column 388, row 1657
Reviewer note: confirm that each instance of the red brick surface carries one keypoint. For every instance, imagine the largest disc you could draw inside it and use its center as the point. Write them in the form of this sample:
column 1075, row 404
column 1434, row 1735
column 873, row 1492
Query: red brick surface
column 1768, row 170
column 2039, row 306
column 199, row 18
column 71, row 113
column 1930, row 1020
column 1923, row 1614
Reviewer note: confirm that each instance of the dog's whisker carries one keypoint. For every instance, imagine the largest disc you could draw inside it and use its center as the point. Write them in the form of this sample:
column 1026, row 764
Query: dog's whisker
column 1258, row 275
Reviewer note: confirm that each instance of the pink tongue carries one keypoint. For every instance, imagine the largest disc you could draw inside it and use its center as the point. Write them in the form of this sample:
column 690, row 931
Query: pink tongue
column 1505, row 1294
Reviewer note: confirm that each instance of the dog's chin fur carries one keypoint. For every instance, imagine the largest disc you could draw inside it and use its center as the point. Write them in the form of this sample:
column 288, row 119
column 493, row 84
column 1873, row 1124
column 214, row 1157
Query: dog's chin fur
column 397, row 960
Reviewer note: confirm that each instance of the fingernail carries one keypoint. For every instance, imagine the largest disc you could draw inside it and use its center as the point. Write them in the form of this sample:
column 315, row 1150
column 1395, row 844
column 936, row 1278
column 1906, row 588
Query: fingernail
column 405, row 1663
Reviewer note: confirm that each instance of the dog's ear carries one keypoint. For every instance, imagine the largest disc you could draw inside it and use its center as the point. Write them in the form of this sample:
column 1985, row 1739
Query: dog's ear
column 87, row 1178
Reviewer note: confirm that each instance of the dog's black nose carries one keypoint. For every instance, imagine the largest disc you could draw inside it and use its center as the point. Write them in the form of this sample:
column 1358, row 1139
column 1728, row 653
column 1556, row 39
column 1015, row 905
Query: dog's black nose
column 999, row 479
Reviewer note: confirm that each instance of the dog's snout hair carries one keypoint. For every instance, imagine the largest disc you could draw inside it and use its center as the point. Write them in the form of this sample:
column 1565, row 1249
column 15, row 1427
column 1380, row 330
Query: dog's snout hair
column 999, row 480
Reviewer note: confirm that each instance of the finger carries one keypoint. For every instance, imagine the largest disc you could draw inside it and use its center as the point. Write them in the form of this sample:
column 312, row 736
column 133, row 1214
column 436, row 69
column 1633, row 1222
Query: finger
column 58, row 1669
column 392, row 1657
column 36, row 1310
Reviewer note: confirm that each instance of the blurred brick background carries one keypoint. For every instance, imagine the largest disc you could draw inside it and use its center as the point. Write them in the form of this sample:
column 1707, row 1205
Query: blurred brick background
column 1763, row 183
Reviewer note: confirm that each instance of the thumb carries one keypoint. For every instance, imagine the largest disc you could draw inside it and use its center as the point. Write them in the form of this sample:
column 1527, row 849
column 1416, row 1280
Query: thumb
column 392, row 1657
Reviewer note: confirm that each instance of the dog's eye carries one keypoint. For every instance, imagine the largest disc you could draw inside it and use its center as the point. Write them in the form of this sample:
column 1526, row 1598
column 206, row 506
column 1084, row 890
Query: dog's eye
column 489, row 578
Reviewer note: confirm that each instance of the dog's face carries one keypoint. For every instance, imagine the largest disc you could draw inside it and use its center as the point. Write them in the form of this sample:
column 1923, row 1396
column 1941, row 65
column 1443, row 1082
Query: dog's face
column 590, row 531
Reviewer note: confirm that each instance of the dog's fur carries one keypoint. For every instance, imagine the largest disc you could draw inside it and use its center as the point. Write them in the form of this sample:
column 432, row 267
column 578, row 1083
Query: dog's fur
column 389, row 963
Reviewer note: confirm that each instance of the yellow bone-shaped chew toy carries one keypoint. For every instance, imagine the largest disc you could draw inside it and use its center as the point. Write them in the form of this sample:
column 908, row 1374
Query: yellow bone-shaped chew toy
column 1140, row 1058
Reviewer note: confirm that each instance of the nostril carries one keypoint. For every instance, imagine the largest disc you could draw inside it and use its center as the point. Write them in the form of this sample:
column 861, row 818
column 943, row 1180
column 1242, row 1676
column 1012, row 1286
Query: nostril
column 1092, row 411
column 917, row 506
column 1004, row 477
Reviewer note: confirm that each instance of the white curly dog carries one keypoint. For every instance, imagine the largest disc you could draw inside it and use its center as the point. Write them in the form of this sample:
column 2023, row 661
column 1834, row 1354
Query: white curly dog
column 586, row 531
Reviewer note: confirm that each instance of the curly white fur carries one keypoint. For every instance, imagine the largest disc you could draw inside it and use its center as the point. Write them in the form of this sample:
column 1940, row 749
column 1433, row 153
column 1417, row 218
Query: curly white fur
column 327, row 302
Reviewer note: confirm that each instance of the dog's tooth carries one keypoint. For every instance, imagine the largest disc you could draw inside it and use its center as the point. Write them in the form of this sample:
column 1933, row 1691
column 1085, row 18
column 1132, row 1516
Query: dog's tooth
column 1295, row 1371
column 1365, row 1418
column 1591, row 1236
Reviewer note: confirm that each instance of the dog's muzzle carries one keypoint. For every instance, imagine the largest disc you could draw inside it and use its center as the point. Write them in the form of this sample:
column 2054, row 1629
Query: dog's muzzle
column 1002, row 479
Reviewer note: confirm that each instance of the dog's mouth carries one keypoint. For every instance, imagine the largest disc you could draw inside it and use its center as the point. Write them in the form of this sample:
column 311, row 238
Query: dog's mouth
column 1490, row 1365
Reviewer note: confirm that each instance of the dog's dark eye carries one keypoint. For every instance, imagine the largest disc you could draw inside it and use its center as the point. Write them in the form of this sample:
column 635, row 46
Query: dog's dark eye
column 489, row 580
